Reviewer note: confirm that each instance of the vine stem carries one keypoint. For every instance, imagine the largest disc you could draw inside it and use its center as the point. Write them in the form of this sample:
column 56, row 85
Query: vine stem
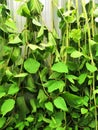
column 93, row 32
column 78, row 24
column 91, row 56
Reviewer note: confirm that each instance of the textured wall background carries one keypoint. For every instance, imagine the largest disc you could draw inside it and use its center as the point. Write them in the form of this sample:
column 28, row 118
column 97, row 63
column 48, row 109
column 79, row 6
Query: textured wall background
column 49, row 12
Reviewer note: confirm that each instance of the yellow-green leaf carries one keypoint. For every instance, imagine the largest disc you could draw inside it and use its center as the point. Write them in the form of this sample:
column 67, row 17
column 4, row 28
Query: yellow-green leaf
column 60, row 103
column 76, row 54
column 7, row 106
column 49, row 106
column 91, row 67
column 60, row 67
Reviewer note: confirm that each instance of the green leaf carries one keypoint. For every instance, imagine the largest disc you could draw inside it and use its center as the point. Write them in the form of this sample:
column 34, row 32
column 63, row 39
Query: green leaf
column 55, row 122
column 95, row 91
column 84, row 110
column 22, row 106
column 37, row 23
column 23, row 10
column 90, row 67
column 41, row 96
column 73, row 100
column 34, row 47
column 31, row 65
column 30, row 119
column 55, row 75
column 72, row 66
column 51, row 39
column 82, row 78
column 75, row 34
column 53, row 85
column 76, row 54
column 20, row 125
column 41, row 32
column 74, row 88
column 7, row 106
column 71, row 78
column 43, row 74
column 60, row 103
column 2, row 94
column 21, row 75
column 92, row 124
column 15, row 54
column 10, row 23
column 15, row 40
column 33, row 104
column 60, row 128
column 91, row 42
column 35, row 6
column 2, row 121
column 9, row 73
column 60, row 67
column 49, row 106
column 13, row 89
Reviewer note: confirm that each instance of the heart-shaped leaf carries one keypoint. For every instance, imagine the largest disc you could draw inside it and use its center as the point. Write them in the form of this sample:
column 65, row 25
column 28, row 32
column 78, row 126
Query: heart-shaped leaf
column 60, row 103
column 49, row 106
column 31, row 65
column 7, row 106
column 60, row 67
column 13, row 89
column 53, row 85
column 90, row 67
column 76, row 54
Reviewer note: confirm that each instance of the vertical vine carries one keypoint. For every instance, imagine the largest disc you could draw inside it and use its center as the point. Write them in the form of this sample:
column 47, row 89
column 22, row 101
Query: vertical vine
column 92, row 87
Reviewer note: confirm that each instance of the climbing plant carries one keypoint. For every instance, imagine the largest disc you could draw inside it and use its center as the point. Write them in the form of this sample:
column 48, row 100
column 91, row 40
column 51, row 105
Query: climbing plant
column 49, row 82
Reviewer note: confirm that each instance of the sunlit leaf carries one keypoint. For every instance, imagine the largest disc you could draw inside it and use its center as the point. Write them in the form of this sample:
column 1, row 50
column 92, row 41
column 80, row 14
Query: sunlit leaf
column 60, row 67
column 10, row 23
column 60, row 128
column 41, row 31
column 23, row 10
column 35, row 6
column 75, row 34
column 30, row 119
column 15, row 40
column 21, row 75
column 41, row 96
column 34, row 47
column 7, row 106
column 53, row 85
column 2, row 94
column 71, row 78
column 60, row 103
column 74, row 88
column 84, row 110
column 76, row 54
column 35, row 22
column 31, row 65
column 13, row 89
column 82, row 78
column 91, row 67
column 51, row 39
column 49, row 106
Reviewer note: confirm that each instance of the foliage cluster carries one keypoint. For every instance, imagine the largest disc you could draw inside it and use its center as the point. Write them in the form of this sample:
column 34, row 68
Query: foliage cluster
column 49, row 82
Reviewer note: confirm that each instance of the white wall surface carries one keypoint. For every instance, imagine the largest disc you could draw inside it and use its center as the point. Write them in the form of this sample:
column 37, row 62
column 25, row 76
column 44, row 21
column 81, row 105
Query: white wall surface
column 13, row 6
column 49, row 14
